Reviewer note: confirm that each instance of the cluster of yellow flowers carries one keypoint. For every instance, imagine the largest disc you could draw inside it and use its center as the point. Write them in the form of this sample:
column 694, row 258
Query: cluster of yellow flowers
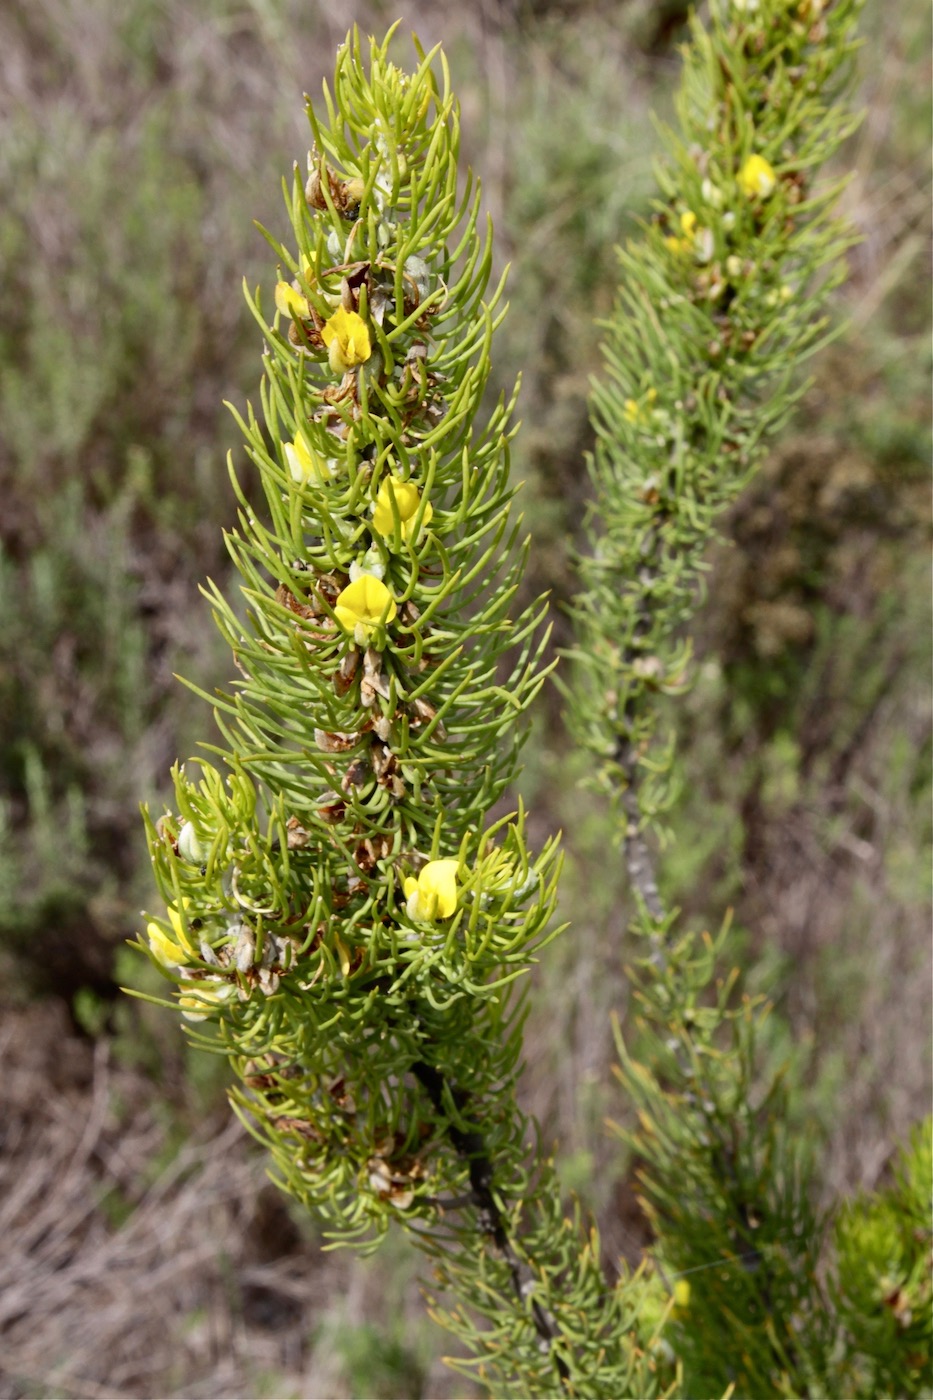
column 398, row 516
column 366, row 605
column 430, row 896
column 756, row 180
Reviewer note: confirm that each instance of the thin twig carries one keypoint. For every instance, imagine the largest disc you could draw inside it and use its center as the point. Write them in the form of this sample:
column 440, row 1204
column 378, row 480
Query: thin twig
column 471, row 1146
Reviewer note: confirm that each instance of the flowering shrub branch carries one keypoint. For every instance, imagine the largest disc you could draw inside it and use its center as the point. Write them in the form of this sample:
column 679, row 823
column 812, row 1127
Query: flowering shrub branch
column 344, row 918
column 721, row 301
column 338, row 902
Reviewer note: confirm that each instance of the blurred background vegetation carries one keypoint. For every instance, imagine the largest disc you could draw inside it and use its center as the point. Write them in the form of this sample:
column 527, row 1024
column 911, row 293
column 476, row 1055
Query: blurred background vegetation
column 143, row 1251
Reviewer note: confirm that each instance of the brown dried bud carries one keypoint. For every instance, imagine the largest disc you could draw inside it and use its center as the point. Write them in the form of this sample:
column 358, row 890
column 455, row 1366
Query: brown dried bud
column 335, row 743
column 370, row 850
column 286, row 599
column 346, row 672
column 382, row 725
column 296, row 835
column 357, row 775
column 314, row 190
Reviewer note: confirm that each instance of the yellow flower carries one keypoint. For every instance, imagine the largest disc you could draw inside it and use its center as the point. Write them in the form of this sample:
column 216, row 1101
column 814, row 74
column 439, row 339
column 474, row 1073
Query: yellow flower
column 362, row 605
column 407, row 499
column 434, row 894
column 757, row 178
column 291, row 303
column 205, row 994
column 640, row 413
column 681, row 1294
column 303, row 463
column 172, row 952
column 778, row 294
column 346, row 336
column 688, row 223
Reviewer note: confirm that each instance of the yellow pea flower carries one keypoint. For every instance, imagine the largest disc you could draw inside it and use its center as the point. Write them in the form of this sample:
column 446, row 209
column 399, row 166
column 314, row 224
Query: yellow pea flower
column 172, row 952
column 197, row 1004
column 291, row 303
column 362, row 605
column 681, row 1295
column 688, row 224
column 346, row 336
column 407, row 499
column 303, row 463
column 640, row 413
column 433, row 895
column 757, row 178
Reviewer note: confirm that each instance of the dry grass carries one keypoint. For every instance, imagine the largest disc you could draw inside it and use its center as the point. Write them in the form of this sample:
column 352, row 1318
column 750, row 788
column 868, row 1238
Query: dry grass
column 130, row 1269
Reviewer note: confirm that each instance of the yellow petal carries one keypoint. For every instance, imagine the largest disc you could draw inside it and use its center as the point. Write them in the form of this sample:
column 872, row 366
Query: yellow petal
column 291, row 303
column 407, row 499
column 439, row 878
column 171, row 951
column 362, row 605
column 196, row 1004
column 346, row 336
column 757, row 178
column 303, row 463
column 434, row 894
column 165, row 949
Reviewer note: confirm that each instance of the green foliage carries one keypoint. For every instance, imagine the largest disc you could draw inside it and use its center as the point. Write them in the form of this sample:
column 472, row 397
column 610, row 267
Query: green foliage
column 368, row 738
column 135, row 139
column 344, row 905
column 883, row 1282
column 721, row 1182
column 340, row 903
column 719, row 304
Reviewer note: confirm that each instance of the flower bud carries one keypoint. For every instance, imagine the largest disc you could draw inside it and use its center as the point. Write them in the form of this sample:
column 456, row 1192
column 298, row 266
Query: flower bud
column 189, row 847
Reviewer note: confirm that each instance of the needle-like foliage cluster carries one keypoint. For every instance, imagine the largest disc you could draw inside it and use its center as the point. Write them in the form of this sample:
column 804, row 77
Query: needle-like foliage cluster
column 720, row 301
column 340, row 903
